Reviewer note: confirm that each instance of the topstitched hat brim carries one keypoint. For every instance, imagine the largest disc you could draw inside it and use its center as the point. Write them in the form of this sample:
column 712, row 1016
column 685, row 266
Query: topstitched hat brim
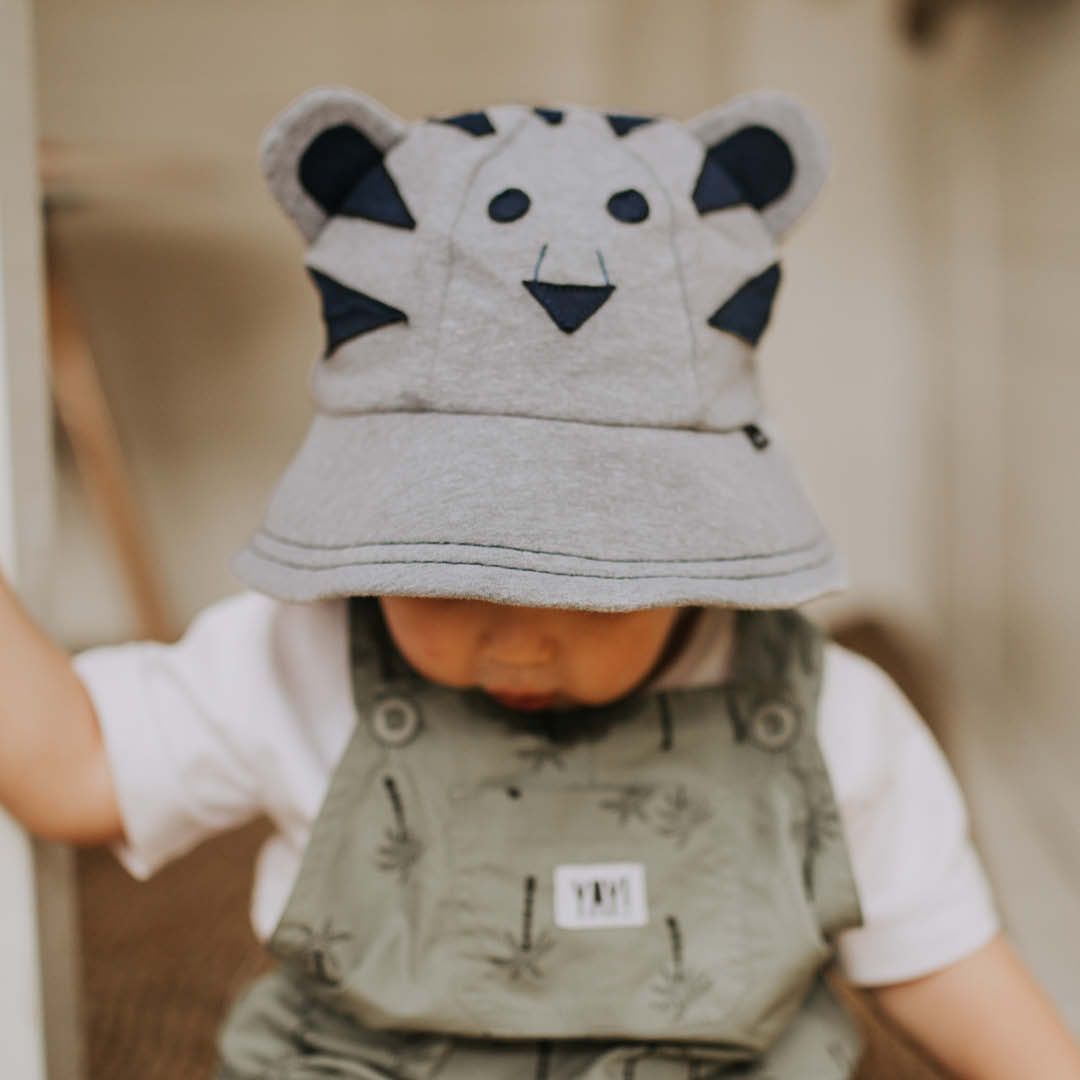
column 538, row 512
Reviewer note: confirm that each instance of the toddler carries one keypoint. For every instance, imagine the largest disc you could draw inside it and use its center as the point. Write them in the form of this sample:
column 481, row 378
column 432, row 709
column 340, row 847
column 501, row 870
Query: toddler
column 562, row 785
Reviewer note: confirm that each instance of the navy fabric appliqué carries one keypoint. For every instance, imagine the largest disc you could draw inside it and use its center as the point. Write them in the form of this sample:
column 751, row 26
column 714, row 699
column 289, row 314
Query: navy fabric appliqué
column 549, row 116
column 475, row 123
column 509, row 205
column 759, row 162
column 622, row 124
column 715, row 188
column 376, row 198
column 330, row 166
column 569, row 306
column 629, row 206
column 746, row 314
column 349, row 313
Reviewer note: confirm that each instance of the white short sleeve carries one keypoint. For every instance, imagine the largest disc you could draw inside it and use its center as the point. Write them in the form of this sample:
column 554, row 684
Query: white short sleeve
column 924, row 896
column 205, row 734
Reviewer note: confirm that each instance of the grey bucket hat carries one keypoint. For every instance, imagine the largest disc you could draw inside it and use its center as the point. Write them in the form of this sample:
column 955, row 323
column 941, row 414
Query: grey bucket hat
column 539, row 384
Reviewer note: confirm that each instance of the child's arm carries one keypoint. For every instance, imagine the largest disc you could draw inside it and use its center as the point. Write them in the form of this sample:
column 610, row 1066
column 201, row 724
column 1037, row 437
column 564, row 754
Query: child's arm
column 929, row 948
column 54, row 776
column 984, row 1018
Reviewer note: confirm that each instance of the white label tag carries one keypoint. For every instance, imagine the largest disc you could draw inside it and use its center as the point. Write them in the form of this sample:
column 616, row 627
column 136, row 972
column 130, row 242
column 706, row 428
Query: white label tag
column 600, row 895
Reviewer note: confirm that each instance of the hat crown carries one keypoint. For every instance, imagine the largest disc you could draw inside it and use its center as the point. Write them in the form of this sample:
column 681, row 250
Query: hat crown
column 561, row 264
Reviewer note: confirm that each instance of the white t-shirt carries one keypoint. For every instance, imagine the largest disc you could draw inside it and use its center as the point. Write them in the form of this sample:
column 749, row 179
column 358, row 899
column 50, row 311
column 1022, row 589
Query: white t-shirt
column 252, row 710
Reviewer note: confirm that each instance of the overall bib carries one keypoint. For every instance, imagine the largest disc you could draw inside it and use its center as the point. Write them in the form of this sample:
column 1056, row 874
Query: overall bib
column 646, row 890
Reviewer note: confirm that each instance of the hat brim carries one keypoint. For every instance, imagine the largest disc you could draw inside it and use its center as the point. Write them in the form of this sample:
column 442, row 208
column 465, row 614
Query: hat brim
column 538, row 512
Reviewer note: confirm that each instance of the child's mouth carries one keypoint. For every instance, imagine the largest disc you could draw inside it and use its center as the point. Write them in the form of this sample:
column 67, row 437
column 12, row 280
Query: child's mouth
column 523, row 702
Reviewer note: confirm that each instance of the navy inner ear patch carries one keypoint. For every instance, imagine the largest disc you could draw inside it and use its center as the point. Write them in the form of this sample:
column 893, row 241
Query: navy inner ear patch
column 629, row 206
column 622, row 124
column 376, row 198
column 747, row 313
column 550, row 116
column 509, row 205
column 475, row 123
column 333, row 161
column 759, row 162
column 715, row 188
column 349, row 313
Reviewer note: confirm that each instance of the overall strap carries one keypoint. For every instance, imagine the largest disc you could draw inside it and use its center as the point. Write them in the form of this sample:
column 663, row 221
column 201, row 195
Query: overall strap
column 779, row 650
column 776, row 690
column 374, row 658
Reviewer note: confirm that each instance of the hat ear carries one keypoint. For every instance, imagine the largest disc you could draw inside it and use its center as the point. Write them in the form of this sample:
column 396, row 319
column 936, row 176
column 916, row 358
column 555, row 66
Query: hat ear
column 764, row 149
column 324, row 155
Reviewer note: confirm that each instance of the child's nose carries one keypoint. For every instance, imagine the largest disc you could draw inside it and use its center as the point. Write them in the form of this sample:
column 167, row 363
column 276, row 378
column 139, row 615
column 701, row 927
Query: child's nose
column 512, row 645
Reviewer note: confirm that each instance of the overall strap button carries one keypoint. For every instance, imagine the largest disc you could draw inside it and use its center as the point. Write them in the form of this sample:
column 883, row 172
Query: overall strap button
column 774, row 726
column 395, row 721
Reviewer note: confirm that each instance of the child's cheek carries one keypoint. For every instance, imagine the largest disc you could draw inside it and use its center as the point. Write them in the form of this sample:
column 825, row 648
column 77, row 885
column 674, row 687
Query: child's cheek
column 602, row 674
column 608, row 666
column 435, row 647
column 443, row 659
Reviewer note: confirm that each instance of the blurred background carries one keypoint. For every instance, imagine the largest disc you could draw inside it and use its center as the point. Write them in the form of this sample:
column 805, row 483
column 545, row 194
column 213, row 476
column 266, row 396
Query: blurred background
column 922, row 362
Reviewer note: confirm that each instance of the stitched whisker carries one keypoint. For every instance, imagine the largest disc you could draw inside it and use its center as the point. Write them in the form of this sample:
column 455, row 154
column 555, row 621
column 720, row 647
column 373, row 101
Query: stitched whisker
column 603, row 268
column 539, row 260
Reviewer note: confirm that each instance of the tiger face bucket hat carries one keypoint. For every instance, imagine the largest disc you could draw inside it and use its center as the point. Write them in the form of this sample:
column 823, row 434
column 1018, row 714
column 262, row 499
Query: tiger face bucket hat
column 539, row 384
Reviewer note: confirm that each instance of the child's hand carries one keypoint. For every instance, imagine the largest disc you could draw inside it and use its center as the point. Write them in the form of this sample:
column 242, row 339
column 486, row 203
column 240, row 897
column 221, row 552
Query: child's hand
column 54, row 776
column 984, row 1018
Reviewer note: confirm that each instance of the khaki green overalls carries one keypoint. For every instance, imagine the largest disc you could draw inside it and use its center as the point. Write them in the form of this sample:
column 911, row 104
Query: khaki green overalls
column 647, row 890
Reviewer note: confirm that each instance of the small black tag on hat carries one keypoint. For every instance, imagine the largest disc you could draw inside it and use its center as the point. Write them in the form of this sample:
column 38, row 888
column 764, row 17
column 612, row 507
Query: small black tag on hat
column 756, row 436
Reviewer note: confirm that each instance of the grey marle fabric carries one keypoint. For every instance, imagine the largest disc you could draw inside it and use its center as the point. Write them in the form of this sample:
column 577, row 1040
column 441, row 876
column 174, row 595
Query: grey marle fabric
column 547, row 416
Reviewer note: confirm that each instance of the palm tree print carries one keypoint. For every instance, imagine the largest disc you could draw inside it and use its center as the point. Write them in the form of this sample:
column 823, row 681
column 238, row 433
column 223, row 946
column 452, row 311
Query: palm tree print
column 401, row 849
column 631, row 802
column 680, row 814
column 678, row 987
column 523, row 955
column 822, row 826
column 319, row 949
column 540, row 756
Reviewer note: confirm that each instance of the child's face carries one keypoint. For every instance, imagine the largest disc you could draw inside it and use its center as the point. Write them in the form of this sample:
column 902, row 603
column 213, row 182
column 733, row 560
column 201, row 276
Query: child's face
column 529, row 658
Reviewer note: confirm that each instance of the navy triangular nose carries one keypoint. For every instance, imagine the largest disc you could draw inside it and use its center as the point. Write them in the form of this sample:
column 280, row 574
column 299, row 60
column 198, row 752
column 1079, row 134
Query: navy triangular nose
column 569, row 306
